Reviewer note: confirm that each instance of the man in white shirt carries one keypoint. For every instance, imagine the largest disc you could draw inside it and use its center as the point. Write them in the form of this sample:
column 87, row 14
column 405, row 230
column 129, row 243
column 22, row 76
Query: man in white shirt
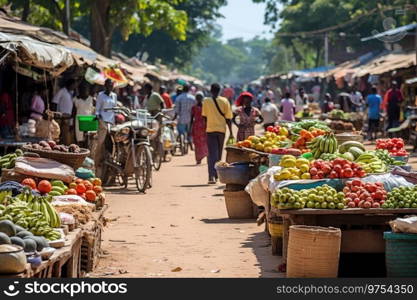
column 106, row 99
column 300, row 100
column 64, row 104
column 269, row 113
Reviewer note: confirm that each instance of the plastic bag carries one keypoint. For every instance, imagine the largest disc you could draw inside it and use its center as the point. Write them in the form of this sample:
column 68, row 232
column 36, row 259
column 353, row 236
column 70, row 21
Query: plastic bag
column 404, row 225
column 389, row 180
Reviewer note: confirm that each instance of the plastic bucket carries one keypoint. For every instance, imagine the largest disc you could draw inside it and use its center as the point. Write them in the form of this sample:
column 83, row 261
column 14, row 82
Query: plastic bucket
column 87, row 123
column 235, row 173
column 401, row 254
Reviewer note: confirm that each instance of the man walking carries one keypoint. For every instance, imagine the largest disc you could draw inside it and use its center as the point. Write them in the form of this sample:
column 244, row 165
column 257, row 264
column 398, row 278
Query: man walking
column 183, row 105
column 392, row 101
column 217, row 113
column 374, row 102
column 106, row 99
column 154, row 101
column 270, row 113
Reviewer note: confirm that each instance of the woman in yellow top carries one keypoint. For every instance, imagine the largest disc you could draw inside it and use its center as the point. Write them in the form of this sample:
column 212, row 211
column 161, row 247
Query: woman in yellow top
column 218, row 115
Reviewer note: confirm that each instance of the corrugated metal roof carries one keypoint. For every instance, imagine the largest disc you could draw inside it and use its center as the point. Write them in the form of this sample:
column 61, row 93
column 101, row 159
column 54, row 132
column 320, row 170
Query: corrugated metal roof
column 391, row 32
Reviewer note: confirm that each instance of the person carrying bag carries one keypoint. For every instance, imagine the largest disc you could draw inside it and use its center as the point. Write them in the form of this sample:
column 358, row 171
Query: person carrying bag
column 218, row 115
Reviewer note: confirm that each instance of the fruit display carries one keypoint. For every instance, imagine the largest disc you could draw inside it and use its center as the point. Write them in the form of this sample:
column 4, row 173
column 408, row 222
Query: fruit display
column 286, row 151
column 7, row 161
column 402, row 197
column 11, row 233
column 41, row 204
column 395, row 146
column 385, row 156
column 338, row 168
column 322, row 197
column 323, row 144
column 86, row 189
column 268, row 143
column 310, row 125
column 307, row 136
column 52, row 146
column 18, row 211
column 293, row 168
column 339, row 114
column 352, row 147
column 370, row 162
column 359, row 194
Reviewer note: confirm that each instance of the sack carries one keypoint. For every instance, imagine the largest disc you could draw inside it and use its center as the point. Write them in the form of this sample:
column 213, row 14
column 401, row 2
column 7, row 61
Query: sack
column 44, row 168
column 48, row 129
column 404, row 225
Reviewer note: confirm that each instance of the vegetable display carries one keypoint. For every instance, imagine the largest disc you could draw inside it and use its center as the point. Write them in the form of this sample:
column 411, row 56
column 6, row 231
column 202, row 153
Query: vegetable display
column 364, row 195
column 338, row 168
column 323, row 144
column 395, row 146
column 293, row 168
column 52, row 146
column 402, row 197
column 7, row 161
column 323, row 197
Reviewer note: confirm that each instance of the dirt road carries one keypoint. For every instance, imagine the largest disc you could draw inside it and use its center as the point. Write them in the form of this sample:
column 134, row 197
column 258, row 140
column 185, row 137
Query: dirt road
column 180, row 229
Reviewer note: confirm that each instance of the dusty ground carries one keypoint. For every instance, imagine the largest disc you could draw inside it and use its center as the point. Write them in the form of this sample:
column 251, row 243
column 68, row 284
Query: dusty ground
column 180, row 229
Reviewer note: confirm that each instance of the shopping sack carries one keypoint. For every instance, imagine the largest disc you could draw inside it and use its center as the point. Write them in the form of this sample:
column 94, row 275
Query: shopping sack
column 404, row 225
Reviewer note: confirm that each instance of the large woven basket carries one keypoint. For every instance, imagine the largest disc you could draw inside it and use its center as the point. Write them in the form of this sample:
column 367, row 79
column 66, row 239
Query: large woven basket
column 313, row 252
column 239, row 204
column 74, row 160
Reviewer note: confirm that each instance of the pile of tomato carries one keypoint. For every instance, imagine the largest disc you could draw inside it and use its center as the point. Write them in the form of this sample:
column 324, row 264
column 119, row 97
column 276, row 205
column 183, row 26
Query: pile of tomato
column 338, row 168
column 395, row 146
column 364, row 195
column 85, row 188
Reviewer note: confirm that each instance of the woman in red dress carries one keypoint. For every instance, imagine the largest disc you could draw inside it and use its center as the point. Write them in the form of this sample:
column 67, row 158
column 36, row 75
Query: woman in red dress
column 248, row 116
column 198, row 130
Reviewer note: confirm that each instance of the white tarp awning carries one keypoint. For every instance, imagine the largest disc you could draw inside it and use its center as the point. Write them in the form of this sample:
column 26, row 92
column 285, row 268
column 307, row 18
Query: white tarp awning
column 53, row 58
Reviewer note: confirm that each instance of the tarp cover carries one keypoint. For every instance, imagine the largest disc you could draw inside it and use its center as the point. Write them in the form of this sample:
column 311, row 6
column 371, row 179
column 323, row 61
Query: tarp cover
column 53, row 58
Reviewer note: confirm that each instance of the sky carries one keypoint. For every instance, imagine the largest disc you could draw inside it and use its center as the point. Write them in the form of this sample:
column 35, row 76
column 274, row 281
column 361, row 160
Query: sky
column 243, row 18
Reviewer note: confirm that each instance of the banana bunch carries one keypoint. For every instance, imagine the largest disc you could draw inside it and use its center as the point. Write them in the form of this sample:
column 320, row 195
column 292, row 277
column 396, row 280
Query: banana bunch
column 323, row 144
column 20, row 214
column 41, row 204
column 7, row 161
column 370, row 162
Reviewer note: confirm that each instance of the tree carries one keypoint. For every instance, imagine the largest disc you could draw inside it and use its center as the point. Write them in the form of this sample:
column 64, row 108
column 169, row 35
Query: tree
column 349, row 20
column 161, row 46
column 134, row 16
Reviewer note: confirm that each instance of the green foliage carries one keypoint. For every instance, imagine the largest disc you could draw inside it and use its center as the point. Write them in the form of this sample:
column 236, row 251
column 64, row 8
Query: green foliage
column 351, row 20
column 234, row 61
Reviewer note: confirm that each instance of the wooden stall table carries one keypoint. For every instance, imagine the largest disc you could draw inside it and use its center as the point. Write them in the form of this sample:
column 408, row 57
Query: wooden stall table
column 362, row 229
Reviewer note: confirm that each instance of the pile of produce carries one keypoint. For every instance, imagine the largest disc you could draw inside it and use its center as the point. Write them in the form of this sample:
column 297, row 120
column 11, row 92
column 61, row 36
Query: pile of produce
column 395, row 146
column 293, row 168
column 269, row 142
column 364, row 195
column 323, row 144
column 386, row 157
column 341, row 125
column 352, row 147
column 370, row 162
column 87, row 189
column 338, row 168
column 11, row 233
column 52, row 145
column 7, row 161
column 402, row 197
column 323, row 197
column 306, row 137
column 18, row 211
column 309, row 125
column 339, row 114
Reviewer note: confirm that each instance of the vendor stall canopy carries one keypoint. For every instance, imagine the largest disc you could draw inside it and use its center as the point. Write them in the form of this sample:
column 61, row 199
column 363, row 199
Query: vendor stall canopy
column 54, row 52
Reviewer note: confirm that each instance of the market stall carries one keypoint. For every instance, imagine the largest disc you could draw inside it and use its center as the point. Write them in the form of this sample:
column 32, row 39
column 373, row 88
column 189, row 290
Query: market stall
column 318, row 179
column 51, row 212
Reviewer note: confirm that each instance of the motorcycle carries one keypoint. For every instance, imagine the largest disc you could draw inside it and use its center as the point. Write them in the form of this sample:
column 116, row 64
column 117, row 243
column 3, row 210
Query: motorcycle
column 129, row 154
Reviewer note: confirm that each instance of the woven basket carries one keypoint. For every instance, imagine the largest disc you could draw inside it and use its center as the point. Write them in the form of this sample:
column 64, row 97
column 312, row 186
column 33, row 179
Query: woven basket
column 341, row 138
column 238, row 204
column 74, row 160
column 313, row 252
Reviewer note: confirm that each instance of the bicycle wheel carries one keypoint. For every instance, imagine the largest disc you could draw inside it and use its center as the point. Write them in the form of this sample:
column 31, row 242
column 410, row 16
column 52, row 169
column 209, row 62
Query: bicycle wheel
column 158, row 156
column 143, row 171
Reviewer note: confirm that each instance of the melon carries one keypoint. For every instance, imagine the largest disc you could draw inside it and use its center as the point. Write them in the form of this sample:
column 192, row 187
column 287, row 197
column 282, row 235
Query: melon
column 23, row 234
column 356, row 152
column 15, row 240
column 7, row 227
column 40, row 242
column 30, row 245
column 18, row 228
column 4, row 239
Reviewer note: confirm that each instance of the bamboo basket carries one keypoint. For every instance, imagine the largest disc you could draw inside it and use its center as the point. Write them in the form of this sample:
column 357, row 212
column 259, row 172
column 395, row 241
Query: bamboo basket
column 238, row 204
column 313, row 252
column 74, row 160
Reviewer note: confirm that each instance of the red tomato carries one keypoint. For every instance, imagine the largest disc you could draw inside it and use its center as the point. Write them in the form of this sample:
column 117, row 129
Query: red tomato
column 346, row 190
column 313, row 171
column 29, row 182
column 71, row 192
column 337, row 168
column 44, row 186
column 81, row 188
column 351, row 204
column 348, row 173
column 90, row 196
column 333, row 175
